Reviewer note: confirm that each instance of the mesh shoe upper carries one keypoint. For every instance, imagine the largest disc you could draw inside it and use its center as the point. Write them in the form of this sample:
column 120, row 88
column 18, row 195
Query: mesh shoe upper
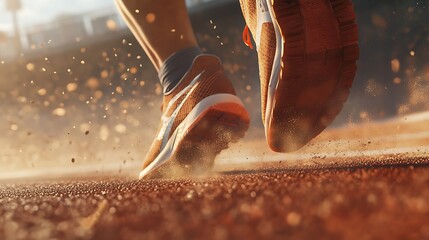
column 205, row 78
column 307, row 63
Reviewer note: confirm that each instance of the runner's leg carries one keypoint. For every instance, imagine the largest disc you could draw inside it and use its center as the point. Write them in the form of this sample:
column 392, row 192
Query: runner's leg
column 162, row 27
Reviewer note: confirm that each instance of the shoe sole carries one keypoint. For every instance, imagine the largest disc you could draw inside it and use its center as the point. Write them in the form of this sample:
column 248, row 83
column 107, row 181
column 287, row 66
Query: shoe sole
column 211, row 126
column 313, row 71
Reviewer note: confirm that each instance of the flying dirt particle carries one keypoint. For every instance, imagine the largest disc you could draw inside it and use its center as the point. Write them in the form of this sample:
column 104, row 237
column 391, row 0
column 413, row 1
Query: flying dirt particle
column 73, row 160
column 86, row 132
column 379, row 21
column 98, row 94
column 30, row 67
column 253, row 194
column 150, row 18
column 60, row 112
column 111, row 25
column 14, row 127
column 137, row 11
column 133, row 70
column 120, row 128
column 190, row 194
column 112, row 210
column 104, row 132
column 396, row 80
column 71, row 87
column 371, row 198
column 93, row 83
column 395, row 65
column 119, row 90
column 158, row 89
column 293, row 219
column 325, row 209
column 412, row 53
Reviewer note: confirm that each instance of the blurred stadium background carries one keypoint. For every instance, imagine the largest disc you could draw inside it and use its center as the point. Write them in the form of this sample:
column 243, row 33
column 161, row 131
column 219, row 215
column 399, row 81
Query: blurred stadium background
column 78, row 89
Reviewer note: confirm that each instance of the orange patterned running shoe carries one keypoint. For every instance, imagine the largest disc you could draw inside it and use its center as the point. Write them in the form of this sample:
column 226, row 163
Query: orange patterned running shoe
column 201, row 116
column 307, row 53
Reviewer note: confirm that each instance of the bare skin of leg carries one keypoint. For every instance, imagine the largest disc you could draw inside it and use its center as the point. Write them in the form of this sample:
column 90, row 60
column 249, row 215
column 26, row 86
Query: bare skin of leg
column 162, row 27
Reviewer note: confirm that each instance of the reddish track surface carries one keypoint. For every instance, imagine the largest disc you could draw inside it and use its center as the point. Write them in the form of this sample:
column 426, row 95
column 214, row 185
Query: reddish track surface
column 360, row 182
column 385, row 202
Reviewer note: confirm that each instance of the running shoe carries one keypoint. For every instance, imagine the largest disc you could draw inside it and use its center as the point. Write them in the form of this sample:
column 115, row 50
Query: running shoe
column 307, row 53
column 201, row 116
